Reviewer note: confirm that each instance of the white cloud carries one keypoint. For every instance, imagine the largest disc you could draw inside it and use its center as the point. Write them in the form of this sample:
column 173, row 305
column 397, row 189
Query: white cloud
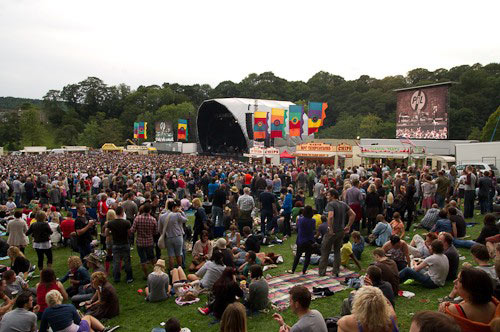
column 48, row 44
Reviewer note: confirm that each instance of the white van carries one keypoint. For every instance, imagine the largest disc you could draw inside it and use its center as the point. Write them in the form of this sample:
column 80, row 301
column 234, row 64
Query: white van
column 481, row 167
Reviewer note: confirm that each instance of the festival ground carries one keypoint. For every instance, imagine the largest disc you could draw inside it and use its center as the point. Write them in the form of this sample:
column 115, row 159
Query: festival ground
column 140, row 316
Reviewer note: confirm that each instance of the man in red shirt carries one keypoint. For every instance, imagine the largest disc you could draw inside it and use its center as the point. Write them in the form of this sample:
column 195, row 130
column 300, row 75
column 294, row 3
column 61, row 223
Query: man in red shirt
column 67, row 227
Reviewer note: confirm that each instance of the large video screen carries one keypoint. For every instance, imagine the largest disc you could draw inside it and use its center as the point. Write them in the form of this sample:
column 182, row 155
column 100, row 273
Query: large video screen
column 423, row 112
column 164, row 132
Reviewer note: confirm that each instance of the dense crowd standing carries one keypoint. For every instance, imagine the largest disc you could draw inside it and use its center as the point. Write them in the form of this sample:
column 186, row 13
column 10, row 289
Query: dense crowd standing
column 131, row 201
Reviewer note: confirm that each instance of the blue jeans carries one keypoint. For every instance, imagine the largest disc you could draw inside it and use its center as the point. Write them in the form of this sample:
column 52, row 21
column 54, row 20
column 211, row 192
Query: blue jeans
column 439, row 200
column 217, row 216
column 84, row 250
column 463, row 243
column 408, row 273
column 484, row 204
column 121, row 253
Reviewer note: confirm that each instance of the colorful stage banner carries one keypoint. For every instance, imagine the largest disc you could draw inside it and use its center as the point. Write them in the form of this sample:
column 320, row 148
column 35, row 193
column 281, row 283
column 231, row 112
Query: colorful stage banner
column 259, row 125
column 295, row 123
column 277, row 122
column 316, row 116
column 182, row 130
column 141, row 130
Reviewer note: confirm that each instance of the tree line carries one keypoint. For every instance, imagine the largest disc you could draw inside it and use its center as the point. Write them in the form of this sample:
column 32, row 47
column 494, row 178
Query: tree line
column 92, row 113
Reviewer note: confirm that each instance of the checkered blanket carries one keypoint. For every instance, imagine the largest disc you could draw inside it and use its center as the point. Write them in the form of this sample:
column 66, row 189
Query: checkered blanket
column 280, row 286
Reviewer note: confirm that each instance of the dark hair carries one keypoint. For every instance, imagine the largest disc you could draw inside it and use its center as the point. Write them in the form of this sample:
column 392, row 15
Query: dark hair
column 452, row 211
column 308, row 212
column 448, row 238
column 119, row 210
column 334, row 193
column 172, row 325
column 375, row 274
column 478, row 284
column 23, row 298
column 225, row 281
column 395, row 239
column 489, row 219
column 256, row 271
column 47, row 276
column 146, row 208
column 301, row 295
column 247, row 230
column 433, row 321
column 480, row 252
column 443, row 214
column 204, row 233
column 252, row 256
column 8, row 274
column 396, row 215
column 217, row 257
column 437, row 247
column 18, row 214
column 379, row 252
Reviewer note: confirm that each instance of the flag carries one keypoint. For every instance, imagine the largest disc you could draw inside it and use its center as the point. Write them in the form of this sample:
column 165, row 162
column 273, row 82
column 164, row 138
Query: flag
column 182, row 130
column 316, row 116
column 142, row 130
column 406, row 140
column 295, row 123
column 277, row 122
column 259, row 125
column 136, row 129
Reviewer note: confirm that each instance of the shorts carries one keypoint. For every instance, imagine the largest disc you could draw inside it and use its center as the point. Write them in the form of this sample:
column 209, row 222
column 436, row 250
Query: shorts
column 146, row 254
column 174, row 246
column 84, row 327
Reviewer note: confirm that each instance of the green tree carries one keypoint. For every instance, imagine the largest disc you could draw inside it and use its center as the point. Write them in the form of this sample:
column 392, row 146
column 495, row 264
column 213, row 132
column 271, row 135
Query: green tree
column 475, row 134
column 32, row 130
column 67, row 135
column 90, row 135
column 10, row 132
column 490, row 125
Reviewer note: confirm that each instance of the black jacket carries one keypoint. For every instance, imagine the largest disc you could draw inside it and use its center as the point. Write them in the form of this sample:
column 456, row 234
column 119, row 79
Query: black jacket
column 40, row 230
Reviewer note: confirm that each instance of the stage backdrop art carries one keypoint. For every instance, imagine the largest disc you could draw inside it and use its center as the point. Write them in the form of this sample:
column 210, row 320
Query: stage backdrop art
column 296, row 122
column 277, row 122
column 422, row 112
column 164, row 131
column 259, row 125
column 182, row 130
column 316, row 116
column 140, row 130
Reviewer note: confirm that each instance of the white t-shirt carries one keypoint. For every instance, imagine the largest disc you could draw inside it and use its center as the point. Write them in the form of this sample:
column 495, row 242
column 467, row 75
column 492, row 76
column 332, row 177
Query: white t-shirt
column 461, row 181
column 96, row 181
column 438, row 268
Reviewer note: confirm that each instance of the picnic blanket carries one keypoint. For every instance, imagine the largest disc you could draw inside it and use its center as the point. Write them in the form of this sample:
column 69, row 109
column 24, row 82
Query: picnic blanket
column 280, row 286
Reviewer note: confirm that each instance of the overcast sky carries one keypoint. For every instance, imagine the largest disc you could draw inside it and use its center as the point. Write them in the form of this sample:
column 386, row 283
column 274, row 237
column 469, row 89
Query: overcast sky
column 49, row 44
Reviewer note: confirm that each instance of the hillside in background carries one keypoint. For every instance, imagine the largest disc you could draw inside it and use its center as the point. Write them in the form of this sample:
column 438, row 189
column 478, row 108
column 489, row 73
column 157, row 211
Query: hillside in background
column 92, row 113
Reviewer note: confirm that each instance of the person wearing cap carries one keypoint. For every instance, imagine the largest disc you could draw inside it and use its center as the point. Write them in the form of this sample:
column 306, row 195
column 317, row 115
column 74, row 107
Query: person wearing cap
column 228, row 259
column 158, row 286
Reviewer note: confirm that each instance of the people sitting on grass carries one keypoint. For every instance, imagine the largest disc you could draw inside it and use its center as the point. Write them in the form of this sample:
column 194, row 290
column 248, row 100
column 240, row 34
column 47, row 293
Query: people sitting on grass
column 451, row 253
column 210, row 271
column 234, row 318
column 23, row 317
column 224, row 292
column 47, row 283
column 14, row 284
column 171, row 325
column 64, row 317
column 397, row 250
column 443, row 224
column 347, row 253
column 158, row 288
column 489, row 229
column 398, row 226
column 430, row 218
column 478, row 307
column 257, row 297
column 309, row 320
column 104, row 303
column 306, row 226
column 251, row 241
column 371, row 311
column 432, row 271
column 431, row 321
column 388, row 268
column 381, row 233
column 358, row 244
column 250, row 259
column 7, row 302
column 77, row 275
column 233, row 237
column 419, row 248
column 202, row 250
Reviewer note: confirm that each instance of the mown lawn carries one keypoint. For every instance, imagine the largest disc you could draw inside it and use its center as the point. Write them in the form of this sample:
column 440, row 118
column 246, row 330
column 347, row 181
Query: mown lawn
column 139, row 315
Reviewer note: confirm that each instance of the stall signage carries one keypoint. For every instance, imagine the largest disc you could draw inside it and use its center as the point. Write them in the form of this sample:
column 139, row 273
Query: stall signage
column 418, row 149
column 342, row 147
column 315, row 147
column 384, row 149
column 264, row 151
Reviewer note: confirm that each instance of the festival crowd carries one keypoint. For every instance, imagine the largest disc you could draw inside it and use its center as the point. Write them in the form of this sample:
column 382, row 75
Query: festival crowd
column 105, row 205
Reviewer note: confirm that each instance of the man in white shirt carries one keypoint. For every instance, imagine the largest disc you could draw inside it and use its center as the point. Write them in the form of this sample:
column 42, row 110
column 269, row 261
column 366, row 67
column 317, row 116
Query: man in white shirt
column 96, row 183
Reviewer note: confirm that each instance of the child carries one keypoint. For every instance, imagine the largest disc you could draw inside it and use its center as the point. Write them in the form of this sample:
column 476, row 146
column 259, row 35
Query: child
column 346, row 253
column 358, row 244
column 398, row 227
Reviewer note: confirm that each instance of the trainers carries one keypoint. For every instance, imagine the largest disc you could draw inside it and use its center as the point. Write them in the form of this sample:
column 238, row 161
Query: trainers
column 129, row 281
column 204, row 311
column 111, row 329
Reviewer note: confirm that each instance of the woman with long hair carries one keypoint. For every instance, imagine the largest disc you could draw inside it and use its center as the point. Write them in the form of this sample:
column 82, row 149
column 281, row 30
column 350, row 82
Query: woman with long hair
column 41, row 239
column 225, row 290
column 19, row 263
column 104, row 303
column 373, row 207
column 478, row 307
column 371, row 312
column 234, row 318
column 47, row 283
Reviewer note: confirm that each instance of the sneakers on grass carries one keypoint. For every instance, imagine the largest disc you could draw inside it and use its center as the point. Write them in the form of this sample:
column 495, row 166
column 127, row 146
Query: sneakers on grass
column 204, row 311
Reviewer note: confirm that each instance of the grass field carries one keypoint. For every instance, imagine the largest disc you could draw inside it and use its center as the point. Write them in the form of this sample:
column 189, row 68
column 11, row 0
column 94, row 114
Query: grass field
column 139, row 315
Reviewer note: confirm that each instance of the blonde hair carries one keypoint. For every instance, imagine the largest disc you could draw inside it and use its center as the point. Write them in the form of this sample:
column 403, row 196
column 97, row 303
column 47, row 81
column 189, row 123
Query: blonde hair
column 99, row 277
column 234, row 318
column 111, row 215
column 347, row 186
column 41, row 216
column 53, row 298
column 371, row 309
column 14, row 252
column 196, row 202
column 372, row 188
column 74, row 262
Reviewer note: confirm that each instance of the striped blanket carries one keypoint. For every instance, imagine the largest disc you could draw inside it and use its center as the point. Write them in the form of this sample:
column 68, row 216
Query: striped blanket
column 280, row 286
